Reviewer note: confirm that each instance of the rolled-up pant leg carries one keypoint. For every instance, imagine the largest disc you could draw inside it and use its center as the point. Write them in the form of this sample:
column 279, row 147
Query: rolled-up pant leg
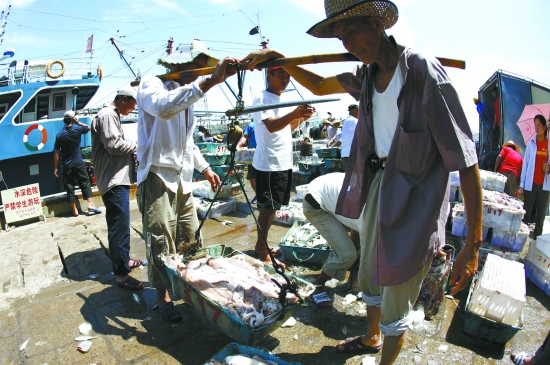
column 395, row 301
column 157, row 205
column 188, row 222
column 343, row 253
column 117, row 215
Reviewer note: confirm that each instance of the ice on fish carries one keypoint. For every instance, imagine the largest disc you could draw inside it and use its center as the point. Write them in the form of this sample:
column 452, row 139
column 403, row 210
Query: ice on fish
column 307, row 236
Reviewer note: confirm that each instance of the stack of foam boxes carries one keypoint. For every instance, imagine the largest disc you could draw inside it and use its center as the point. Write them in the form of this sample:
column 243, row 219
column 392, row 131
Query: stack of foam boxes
column 496, row 299
column 204, row 195
column 291, row 213
column 537, row 263
column 503, row 232
column 218, row 156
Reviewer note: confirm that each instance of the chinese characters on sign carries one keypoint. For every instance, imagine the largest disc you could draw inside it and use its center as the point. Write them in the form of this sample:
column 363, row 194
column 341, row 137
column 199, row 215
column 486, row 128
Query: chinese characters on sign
column 22, row 203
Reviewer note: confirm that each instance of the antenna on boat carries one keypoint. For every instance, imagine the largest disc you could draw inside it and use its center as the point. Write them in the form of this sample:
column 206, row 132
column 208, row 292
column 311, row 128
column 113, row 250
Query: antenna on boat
column 122, row 57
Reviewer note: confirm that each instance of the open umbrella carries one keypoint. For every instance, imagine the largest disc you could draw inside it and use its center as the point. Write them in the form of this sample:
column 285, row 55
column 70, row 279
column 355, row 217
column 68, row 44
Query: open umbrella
column 526, row 122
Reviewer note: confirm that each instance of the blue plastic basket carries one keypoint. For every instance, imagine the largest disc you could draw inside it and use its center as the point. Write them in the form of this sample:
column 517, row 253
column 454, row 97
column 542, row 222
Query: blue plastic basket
column 334, row 164
column 216, row 159
column 331, row 152
column 216, row 148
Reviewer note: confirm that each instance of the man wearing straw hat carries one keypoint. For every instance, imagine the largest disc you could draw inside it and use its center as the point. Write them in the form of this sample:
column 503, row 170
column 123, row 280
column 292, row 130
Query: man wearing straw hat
column 167, row 157
column 509, row 163
column 398, row 168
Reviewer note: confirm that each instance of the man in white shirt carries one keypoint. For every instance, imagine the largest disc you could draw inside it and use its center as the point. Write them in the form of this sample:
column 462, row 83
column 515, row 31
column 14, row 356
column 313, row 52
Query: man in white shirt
column 273, row 157
column 319, row 208
column 348, row 131
column 167, row 157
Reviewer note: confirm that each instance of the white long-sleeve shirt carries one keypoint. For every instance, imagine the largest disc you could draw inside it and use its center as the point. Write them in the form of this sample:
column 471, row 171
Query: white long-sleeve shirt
column 165, row 132
column 528, row 170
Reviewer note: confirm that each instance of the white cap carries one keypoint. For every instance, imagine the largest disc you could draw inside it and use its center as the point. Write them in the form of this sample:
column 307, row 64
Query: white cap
column 127, row 90
column 69, row 114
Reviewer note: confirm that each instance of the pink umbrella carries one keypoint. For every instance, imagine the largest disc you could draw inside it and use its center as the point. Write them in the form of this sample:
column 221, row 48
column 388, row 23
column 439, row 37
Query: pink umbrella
column 526, row 121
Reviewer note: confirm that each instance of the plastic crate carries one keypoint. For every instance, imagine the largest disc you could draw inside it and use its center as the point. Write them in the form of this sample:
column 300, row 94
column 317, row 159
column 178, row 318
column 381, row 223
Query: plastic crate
column 218, row 316
column 217, row 148
column 510, row 240
column 245, row 156
column 487, row 249
column 310, row 167
column 333, row 163
column 302, row 177
column 301, row 191
column 203, row 189
column 302, row 254
column 202, row 147
column 220, row 170
column 236, row 349
column 499, row 291
column 219, row 207
column 215, row 159
column 330, row 152
column 232, row 178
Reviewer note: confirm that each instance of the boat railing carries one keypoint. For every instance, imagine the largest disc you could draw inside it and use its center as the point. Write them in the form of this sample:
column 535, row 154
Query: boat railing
column 24, row 72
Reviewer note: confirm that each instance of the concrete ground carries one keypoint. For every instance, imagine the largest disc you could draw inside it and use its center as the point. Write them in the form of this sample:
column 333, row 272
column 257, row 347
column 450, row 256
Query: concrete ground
column 44, row 301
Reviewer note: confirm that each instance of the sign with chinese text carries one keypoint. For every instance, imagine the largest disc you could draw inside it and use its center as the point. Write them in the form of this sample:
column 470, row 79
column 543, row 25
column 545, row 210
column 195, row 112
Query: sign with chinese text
column 22, row 203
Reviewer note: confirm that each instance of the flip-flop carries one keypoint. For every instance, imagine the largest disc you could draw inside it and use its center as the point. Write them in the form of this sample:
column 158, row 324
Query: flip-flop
column 137, row 263
column 130, row 283
column 518, row 358
column 94, row 211
column 322, row 298
column 170, row 313
column 356, row 346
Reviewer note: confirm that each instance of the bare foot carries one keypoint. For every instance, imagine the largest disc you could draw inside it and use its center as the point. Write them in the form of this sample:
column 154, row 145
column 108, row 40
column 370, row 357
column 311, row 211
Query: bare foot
column 265, row 258
column 375, row 343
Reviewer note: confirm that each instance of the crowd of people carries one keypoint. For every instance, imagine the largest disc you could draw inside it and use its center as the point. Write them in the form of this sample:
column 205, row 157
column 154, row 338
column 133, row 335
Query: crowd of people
column 399, row 143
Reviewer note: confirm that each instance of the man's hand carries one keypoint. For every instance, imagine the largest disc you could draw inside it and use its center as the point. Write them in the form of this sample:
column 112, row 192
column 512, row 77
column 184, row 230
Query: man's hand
column 213, row 179
column 464, row 268
column 220, row 75
column 520, row 192
column 303, row 112
column 55, row 173
column 260, row 56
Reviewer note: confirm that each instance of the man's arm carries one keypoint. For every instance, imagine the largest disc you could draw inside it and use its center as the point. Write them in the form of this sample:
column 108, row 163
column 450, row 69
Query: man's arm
column 465, row 265
column 315, row 83
column 498, row 163
column 293, row 118
column 112, row 139
column 55, row 162
column 244, row 140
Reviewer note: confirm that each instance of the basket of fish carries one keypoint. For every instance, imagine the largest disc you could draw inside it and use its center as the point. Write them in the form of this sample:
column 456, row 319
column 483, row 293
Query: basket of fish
column 334, row 163
column 235, row 354
column 302, row 243
column 233, row 291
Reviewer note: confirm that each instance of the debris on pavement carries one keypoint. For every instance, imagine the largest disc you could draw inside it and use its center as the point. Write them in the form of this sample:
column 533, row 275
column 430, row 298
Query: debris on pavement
column 22, row 347
column 443, row 348
column 368, row 360
column 84, row 338
column 136, row 298
column 289, row 322
column 84, row 346
column 85, row 328
column 345, row 330
column 350, row 298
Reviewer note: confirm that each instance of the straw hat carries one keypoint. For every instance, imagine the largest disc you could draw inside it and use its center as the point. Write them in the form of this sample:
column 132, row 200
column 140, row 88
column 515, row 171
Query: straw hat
column 511, row 143
column 337, row 123
column 186, row 52
column 325, row 122
column 343, row 9
column 218, row 138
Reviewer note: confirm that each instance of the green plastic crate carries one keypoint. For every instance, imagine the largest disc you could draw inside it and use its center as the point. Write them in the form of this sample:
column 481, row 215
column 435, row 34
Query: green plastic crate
column 218, row 148
column 302, row 254
column 215, row 159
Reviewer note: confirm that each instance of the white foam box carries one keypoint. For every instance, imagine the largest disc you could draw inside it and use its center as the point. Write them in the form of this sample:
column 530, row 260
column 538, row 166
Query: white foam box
column 499, row 293
column 537, row 276
column 510, row 240
column 492, row 180
column 501, row 217
column 296, row 202
column 301, row 191
column 289, row 214
column 220, row 207
column 460, row 228
column 203, row 189
column 539, row 254
column 245, row 155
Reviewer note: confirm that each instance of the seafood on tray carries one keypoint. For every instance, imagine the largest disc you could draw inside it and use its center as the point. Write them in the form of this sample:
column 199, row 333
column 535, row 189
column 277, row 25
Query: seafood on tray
column 307, row 236
column 238, row 284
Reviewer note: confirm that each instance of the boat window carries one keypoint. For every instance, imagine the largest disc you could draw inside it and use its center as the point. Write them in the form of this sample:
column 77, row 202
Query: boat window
column 3, row 109
column 59, row 102
column 30, row 171
column 30, row 107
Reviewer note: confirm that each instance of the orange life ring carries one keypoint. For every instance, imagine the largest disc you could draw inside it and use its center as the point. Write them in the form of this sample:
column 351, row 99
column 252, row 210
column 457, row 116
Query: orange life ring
column 49, row 69
column 42, row 142
column 100, row 72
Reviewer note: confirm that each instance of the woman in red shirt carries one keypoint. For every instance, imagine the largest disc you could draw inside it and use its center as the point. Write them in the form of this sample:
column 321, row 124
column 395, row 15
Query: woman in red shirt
column 534, row 184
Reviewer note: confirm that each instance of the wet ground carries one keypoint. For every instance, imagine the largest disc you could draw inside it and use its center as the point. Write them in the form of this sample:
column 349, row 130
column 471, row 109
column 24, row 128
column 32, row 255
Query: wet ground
column 45, row 301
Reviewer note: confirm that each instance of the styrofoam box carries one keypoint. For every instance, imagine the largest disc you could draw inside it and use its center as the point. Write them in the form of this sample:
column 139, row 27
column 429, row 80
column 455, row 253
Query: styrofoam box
column 513, row 241
column 502, row 217
column 538, row 276
column 204, row 189
column 539, row 255
column 460, row 228
column 245, row 156
column 296, row 202
column 220, row 207
column 499, row 293
column 301, row 191
column 289, row 214
column 492, row 180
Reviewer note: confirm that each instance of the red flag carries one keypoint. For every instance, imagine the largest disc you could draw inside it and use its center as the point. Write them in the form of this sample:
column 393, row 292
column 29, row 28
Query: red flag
column 90, row 44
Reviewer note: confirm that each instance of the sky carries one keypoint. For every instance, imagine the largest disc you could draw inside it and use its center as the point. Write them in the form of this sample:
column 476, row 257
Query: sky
column 488, row 34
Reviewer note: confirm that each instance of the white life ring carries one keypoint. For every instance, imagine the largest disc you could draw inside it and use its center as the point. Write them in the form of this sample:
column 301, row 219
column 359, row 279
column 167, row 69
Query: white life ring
column 49, row 69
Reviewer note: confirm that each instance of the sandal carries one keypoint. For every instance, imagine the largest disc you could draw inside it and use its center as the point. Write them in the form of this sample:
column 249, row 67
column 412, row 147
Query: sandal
column 518, row 358
column 136, row 263
column 169, row 312
column 322, row 300
column 355, row 345
column 130, row 283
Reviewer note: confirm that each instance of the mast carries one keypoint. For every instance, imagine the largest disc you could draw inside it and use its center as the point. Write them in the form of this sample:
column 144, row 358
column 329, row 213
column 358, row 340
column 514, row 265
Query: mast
column 122, row 56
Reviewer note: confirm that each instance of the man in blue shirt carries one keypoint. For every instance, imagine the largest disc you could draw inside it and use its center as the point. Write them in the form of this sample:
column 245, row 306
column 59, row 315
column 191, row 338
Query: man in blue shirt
column 485, row 117
column 74, row 173
column 250, row 137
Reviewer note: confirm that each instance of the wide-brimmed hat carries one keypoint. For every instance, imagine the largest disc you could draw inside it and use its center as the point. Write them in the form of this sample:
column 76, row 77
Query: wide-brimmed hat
column 342, row 9
column 186, row 52
column 511, row 143
column 336, row 123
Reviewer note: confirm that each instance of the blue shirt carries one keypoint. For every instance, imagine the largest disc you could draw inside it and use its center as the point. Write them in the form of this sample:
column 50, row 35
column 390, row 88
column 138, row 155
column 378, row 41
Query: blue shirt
column 250, row 132
column 68, row 141
column 484, row 114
